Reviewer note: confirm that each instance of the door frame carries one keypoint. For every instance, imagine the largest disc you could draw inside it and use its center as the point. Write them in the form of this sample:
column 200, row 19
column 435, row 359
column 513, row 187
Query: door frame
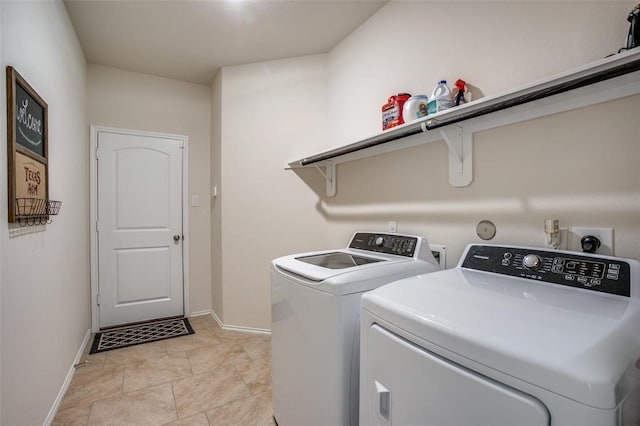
column 93, row 199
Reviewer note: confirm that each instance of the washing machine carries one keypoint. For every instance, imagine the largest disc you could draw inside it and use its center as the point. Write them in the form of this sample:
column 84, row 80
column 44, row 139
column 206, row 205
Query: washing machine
column 315, row 322
column 511, row 336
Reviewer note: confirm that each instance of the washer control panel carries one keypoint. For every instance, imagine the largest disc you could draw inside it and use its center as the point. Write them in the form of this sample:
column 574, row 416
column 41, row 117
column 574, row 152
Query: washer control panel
column 401, row 245
column 602, row 274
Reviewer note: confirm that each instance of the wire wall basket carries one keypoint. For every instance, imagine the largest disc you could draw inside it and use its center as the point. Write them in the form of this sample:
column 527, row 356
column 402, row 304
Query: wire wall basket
column 36, row 211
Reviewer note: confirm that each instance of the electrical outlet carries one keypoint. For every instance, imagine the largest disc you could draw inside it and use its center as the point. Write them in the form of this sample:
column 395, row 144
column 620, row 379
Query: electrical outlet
column 605, row 235
column 393, row 226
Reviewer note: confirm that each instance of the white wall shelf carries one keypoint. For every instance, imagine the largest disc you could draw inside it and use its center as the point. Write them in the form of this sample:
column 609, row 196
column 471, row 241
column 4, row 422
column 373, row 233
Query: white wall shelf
column 610, row 78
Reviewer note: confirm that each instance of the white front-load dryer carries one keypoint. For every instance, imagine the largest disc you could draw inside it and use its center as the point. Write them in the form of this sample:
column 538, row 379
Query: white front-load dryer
column 315, row 322
column 511, row 336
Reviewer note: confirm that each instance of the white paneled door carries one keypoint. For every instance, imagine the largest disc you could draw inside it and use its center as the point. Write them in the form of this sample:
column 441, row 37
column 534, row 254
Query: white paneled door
column 139, row 227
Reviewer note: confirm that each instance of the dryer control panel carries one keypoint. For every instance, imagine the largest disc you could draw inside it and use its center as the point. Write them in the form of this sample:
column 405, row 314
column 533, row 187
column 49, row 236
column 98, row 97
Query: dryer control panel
column 591, row 272
column 400, row 245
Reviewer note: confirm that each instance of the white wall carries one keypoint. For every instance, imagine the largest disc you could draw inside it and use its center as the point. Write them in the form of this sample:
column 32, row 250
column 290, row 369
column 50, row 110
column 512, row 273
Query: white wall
column 495, row 46
column 3, row 131
column 271, row 113
column 579, row 167
column 130, row 100
column 45, row 270
column 216, row 203
column 278, row 111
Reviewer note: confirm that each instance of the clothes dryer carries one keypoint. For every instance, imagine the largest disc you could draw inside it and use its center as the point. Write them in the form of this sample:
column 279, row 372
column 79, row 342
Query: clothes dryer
column 511, row 336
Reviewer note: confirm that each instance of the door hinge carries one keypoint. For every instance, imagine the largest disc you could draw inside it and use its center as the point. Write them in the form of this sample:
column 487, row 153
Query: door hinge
column 98, row 299
column 97, row 153
column 181, row 144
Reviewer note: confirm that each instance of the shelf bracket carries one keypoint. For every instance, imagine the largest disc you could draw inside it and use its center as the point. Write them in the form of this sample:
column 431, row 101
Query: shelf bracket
column 460, row 144
column 330, row 177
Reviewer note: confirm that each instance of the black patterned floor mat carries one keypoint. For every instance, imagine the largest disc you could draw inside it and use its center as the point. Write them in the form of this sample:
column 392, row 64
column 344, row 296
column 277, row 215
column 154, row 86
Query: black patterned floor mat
column 141, row 333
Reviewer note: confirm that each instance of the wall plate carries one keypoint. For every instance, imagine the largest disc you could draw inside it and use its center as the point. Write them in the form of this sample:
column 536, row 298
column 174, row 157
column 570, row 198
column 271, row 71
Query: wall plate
column 486, row 229
column 605, row 235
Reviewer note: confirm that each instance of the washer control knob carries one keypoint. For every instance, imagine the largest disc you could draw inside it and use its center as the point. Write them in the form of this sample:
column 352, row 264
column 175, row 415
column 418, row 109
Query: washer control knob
column 379, row 241
column 532, row 261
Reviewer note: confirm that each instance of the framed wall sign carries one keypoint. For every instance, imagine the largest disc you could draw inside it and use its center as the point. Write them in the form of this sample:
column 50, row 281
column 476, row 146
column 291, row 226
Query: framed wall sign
column 27, row 145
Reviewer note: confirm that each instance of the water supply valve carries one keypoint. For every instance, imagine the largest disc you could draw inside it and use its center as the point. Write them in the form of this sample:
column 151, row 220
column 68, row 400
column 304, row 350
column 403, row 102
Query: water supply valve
column 552, row 233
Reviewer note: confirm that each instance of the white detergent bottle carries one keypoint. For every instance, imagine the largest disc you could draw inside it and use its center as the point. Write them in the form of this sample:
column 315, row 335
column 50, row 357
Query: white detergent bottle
column 441, row 98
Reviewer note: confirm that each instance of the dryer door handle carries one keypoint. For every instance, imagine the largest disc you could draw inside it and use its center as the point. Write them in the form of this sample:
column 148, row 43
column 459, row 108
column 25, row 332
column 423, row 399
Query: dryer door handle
column 384, row 401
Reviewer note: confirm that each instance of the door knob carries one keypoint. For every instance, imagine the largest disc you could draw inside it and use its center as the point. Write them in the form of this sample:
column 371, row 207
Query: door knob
column 176, row 238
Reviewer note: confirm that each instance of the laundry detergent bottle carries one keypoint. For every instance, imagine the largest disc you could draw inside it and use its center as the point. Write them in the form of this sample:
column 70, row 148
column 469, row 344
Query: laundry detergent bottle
column 441, row 98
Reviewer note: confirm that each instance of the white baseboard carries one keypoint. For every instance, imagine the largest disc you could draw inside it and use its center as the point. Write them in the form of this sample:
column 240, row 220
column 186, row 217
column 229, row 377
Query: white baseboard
column 199, row 313
column 239, row 327
column 217, row 319
column 67, row 381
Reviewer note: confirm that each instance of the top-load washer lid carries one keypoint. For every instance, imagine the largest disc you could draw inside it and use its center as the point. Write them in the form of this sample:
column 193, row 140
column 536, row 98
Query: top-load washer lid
column 352, row 271
column 337, row 260
column 582, row 343
column 371, row 260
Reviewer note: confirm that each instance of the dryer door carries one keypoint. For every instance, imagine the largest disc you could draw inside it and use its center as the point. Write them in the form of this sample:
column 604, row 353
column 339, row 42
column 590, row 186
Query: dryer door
column 406, row 384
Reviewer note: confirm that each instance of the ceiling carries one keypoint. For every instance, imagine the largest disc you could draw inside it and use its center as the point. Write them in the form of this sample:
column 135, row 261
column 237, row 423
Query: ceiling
column 191, row 40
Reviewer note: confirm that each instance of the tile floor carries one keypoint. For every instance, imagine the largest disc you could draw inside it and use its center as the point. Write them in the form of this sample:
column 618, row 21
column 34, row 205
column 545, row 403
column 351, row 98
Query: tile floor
column 212, row 377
